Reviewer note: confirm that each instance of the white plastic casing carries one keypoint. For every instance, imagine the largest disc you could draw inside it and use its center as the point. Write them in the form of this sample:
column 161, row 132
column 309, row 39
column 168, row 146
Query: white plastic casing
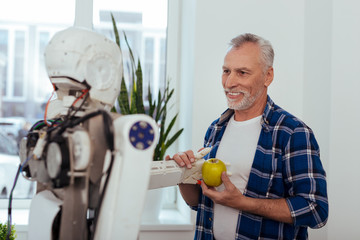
column 120, row 214
column 165, row 174
column 84, row 55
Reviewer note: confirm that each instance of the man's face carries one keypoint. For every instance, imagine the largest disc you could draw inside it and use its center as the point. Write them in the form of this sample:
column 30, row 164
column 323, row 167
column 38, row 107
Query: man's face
column 243, row 78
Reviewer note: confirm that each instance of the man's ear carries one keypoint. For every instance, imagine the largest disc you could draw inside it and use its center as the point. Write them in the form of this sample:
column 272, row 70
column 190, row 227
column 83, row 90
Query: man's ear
column 269, row 76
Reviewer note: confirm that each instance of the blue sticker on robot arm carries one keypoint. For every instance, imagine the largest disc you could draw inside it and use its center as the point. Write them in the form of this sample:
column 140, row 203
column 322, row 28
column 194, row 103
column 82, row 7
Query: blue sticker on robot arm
column 141, row 135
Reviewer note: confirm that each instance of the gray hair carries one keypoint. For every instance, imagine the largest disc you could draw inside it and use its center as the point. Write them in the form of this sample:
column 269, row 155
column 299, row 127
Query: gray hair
column 267, row 52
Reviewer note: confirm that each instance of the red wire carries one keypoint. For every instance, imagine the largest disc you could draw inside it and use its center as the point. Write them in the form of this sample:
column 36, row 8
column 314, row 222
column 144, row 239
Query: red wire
column 85, row 91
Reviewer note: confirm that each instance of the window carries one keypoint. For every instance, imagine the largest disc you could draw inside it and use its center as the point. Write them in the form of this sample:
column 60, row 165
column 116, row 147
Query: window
column 3, row 60
column 18, row 72
column 24, row 85
column 13, row 42
column 145, row 23
column 42, row 38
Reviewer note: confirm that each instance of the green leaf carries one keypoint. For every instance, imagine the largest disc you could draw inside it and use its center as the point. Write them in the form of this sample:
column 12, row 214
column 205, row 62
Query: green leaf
column 173, row 138
column 162, row 152
column 165, row 100
column 139, row 90
column 158, row 147
column 116, row 32
column 158, row 107
column 4, row 231
column 168, row 96
column 151, row 104
column 133, row 97
column 123, row 98
column 162, row 128
column 117, row 40
column 132, row 59
column 168, row 129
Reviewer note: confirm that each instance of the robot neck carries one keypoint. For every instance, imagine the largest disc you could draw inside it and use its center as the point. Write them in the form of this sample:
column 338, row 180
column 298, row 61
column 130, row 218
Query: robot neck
column 72, row 97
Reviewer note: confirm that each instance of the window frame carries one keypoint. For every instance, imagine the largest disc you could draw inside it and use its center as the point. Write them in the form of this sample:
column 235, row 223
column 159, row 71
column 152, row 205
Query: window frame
column 9, row 91
column 37, row 56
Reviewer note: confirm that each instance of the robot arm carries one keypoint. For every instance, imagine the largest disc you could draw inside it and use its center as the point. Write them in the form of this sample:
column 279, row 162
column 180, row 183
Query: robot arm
column 168, row 173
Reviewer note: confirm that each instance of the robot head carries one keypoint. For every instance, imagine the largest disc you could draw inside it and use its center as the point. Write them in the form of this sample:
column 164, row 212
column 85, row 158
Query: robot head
column 78, row 58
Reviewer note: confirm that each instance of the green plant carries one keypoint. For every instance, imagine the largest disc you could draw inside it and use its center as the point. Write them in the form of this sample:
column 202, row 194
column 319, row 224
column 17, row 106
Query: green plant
column 4, row 231
column 134, row 103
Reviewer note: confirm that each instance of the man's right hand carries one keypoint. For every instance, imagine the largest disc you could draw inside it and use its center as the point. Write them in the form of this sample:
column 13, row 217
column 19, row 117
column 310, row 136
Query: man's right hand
column 188, row 158
column 192, row 162
column 188, row 187
column 183, row 158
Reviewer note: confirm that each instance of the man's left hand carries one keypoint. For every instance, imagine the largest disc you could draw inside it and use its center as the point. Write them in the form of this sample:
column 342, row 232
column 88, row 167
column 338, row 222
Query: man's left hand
column 275, row 209
column 230, row 196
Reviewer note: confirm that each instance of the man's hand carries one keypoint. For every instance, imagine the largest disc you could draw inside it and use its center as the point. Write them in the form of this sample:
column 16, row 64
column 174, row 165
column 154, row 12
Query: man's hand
column 189, row 192
column 275, row 209
column 231, row 196
column 193, row 163
column 183, row 158
column 189, row 157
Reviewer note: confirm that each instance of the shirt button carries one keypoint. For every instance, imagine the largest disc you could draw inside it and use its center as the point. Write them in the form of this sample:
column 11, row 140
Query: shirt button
column 210, row 219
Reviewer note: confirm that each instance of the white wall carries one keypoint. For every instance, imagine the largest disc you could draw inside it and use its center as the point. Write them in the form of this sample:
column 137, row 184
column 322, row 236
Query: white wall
column 344, row 190
column 317, row 70
column 219, row 21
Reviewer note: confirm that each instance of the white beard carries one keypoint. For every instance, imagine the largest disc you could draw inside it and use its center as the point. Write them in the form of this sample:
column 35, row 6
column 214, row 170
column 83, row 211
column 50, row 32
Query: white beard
column 246, row 102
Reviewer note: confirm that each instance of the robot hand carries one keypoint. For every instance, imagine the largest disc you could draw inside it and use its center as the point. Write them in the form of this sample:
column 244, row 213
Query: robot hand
column 168, row 173
column 193, row 174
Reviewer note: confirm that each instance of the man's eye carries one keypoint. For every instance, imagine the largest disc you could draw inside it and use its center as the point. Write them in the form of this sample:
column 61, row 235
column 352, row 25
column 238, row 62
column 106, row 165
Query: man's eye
column 225, row 71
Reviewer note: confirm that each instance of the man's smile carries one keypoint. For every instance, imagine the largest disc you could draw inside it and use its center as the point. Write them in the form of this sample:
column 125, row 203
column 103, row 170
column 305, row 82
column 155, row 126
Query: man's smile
column 232, row 95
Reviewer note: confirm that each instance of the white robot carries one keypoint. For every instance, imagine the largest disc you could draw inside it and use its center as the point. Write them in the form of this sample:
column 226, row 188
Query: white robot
column 92, row 167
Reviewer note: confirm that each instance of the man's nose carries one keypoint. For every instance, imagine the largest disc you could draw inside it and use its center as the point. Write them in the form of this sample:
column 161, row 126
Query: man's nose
column 230, row 81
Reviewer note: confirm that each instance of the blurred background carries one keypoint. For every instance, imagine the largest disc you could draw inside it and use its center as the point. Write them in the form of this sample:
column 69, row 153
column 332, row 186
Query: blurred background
column 316, row 67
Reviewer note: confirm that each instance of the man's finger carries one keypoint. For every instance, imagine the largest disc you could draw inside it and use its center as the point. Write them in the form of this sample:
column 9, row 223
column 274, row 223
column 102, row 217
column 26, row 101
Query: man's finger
column 226, row 180
column 208, row 191
column 203, row 185
column 182, row 159
column 190, row 155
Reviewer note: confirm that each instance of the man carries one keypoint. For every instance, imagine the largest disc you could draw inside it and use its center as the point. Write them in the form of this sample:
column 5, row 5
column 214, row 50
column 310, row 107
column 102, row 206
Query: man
column 278, row 186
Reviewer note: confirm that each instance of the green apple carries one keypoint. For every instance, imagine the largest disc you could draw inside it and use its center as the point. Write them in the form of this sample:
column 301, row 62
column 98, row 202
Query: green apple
column 211, row 172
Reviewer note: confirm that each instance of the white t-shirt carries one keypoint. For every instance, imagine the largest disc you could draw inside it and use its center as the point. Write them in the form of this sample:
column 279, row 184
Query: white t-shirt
column 237, row 147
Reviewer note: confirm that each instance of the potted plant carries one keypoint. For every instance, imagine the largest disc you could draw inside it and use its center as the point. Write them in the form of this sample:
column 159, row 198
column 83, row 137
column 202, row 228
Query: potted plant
column 4, row 230
column 132, row 102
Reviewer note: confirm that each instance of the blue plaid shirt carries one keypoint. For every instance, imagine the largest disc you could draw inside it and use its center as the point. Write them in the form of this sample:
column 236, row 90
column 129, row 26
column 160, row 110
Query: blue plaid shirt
column 286, row 165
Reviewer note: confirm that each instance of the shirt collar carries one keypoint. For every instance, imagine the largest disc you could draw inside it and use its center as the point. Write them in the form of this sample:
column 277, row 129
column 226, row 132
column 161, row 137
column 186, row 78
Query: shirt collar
column 225, row 116
column 266, row 116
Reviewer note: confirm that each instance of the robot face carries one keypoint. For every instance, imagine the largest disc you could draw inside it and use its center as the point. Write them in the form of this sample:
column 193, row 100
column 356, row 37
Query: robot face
column 77, row 58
